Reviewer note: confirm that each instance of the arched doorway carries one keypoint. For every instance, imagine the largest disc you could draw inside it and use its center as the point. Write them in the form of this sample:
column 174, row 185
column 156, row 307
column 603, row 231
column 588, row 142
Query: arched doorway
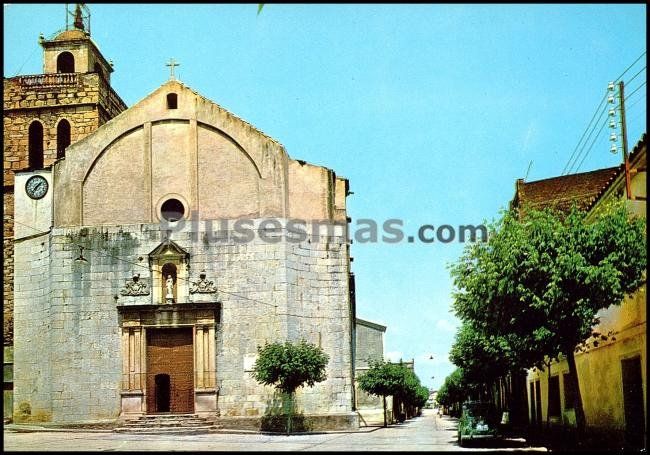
column 162, row 392
column 65, row 63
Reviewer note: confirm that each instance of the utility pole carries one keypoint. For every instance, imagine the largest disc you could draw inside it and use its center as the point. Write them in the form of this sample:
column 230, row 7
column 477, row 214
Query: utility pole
column 621, row 98
column 626, row 161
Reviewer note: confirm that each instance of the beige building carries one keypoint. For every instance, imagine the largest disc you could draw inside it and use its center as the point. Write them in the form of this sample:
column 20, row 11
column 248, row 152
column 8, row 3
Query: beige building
column 158, row 248
column 612, row 372
column 369, row 346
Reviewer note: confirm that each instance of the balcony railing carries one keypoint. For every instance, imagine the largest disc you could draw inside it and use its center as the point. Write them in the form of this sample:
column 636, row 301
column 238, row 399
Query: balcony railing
column 54, row 79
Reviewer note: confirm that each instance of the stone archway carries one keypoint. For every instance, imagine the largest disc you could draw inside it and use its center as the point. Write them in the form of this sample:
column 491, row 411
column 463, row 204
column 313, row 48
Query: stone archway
column 177, row 340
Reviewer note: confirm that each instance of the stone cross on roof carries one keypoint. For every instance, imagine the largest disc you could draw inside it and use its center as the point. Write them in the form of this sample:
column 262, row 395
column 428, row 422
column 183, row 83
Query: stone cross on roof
column 172, row 63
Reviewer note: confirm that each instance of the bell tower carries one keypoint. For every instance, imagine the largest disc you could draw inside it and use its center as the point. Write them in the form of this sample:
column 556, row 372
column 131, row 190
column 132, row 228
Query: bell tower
column 72, row 50
column 43, row 114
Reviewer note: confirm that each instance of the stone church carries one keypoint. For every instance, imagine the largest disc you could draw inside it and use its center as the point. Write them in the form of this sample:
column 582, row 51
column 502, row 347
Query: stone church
column 150, row 250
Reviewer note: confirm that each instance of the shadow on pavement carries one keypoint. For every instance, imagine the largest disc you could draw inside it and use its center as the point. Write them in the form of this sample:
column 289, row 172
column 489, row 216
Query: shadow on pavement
column 497, row 444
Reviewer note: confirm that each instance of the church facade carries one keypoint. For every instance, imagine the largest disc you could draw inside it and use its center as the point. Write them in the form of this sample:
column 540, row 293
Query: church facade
column 159, row 251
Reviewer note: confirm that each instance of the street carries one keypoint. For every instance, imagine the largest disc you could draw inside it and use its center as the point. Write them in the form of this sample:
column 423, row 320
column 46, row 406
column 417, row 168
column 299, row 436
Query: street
column 427, row 433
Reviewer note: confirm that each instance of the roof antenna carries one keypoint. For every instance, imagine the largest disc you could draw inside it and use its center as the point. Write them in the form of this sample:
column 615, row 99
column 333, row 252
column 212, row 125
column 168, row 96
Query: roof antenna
column 528, row 170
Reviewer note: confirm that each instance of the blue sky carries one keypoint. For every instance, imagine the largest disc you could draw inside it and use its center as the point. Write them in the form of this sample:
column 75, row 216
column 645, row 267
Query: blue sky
column 431, row 111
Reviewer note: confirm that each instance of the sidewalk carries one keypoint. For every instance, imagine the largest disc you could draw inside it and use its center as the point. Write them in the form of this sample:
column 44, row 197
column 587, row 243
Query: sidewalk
column 31, row 428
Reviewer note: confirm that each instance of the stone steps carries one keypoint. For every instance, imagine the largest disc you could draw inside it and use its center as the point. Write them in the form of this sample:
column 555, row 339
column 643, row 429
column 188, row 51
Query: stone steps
column 168, row 424
column 171, row 430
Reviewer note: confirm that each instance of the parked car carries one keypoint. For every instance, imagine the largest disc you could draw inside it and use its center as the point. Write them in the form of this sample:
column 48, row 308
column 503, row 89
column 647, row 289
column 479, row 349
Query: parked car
column 478, row 420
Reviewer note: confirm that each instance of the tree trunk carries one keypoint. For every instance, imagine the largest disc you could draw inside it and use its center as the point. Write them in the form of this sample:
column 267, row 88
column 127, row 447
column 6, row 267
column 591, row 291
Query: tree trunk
column 548, row 396
column 385, row 424
column 577, row 401
column 289, row 413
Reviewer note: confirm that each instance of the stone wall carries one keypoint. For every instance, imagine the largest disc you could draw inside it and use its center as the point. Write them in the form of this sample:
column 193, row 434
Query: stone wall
column 87, row 58
column 319, row 311
column 68, row 366
column 33, row 396
column 8, row 266
column 86, row 100
column 219, row 165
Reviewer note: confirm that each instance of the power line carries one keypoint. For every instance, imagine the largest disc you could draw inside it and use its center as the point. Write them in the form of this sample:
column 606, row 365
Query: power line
column 631, row 65
column 188, row 280
column 585, row 132
column 635, row 90
column 592, row 144
column 627, row 108
column 636, row 117
column 568, row 166
column 634, row 77
column 582, row 149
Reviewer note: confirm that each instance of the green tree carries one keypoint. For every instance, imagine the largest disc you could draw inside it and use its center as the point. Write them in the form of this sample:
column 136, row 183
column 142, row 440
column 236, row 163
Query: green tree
column 544, row 275
column 409, row 390
column 383, row 379
column 455, row 390
column 422, row 396
column 485, row 357
column 482, row 357
column 288, row 366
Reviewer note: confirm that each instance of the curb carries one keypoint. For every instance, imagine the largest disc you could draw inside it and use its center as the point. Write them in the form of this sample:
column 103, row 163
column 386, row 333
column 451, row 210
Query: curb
column 16, row 428
column 13, row 428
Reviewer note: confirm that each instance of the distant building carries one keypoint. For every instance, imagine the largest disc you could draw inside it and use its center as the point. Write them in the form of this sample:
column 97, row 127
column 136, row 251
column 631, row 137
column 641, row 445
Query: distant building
column 612, row 373
column 369, row 346
column 431, row 402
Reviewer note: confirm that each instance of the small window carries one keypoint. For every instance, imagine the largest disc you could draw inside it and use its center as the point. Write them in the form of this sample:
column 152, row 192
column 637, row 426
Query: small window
column 35, row 147
column 62, row 137
column 554, row 396
column 65, row 63
column 172, row 101
column 172, row 210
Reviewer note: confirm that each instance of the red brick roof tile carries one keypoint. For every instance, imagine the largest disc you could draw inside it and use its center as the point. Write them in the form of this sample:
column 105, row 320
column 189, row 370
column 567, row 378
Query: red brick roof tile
column 561, row 192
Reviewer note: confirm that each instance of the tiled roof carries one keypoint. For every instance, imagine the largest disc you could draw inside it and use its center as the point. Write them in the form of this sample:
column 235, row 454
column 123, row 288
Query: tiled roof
column 638, row 153
column 561, row 192
column 584, row 188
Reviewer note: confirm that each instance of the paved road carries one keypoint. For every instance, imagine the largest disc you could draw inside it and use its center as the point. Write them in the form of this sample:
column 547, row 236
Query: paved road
column 429, row 432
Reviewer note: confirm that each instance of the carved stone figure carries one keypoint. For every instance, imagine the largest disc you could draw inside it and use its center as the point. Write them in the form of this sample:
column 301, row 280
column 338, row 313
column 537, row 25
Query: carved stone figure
column 169, row 285
column 135, row 286
column 203, row 286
